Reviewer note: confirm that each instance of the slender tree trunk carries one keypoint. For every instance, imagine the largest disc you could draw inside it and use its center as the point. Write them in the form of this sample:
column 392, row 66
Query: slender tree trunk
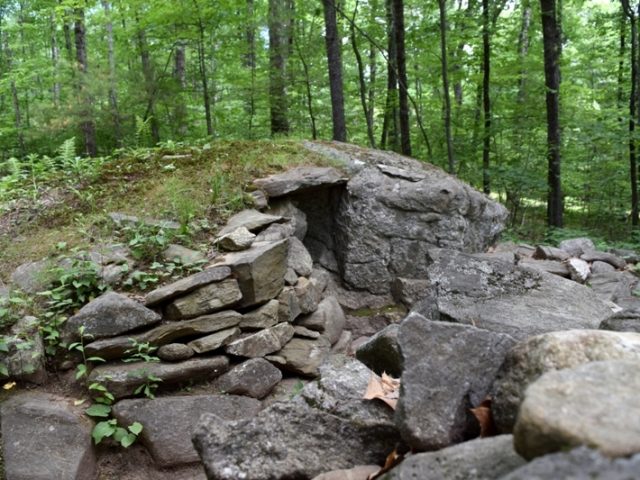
column 451, row 161
column 362, row 83
column 202, row 67
column 113, row 94
column 334, row 60
column 390, row 125
column 523, row 49
column 149, row 83
column 486, row 98
column 405, row 131
column 55, row 63
column 279, row 46
column 308, row 91
column 179, row 75
column 373, row 67
column 621, row 55
column 551, row 44
column 86, row 117
column 250, row 61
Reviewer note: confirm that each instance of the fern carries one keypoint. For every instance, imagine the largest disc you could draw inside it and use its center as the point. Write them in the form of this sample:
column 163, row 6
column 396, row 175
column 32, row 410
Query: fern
column 67, row 153
column 143, row 131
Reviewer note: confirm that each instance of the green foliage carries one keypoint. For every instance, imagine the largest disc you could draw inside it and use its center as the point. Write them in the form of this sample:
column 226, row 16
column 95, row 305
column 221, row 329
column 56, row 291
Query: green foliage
column 146, row 242
column 82, row 368
column 140, row 351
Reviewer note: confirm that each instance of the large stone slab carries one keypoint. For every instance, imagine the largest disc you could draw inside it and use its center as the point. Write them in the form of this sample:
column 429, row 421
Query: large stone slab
column 528, row 360
column 506, row 298
column 214, row 341
column 44, row 437
column 448, row 369
column 300, row 179
column 261, row 343
column 481, row 459
column 260, row 271
column 588, row 405
column 207, row 299
column 109, row 315
column 122, row 380
column 112, row 348
column 186, row 285
column 578, row 464
column 169, row 422
column 254, row 378
column 250, row 219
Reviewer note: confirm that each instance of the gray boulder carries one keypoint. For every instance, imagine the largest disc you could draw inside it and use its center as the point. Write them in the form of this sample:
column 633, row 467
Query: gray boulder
column 627, row 320
column 605, row 257
column 529, row 360
column 328, row 319
column 550, row 266
column 252, row 220
column 296, row 217
column 215, row 340
column 33, row 277
column 481, row 459
column 577, row 246
column 175, row 352
column 299, row 259
column 304, row 356
column 544, row 252
column 263, row 317
column 598, row 267
column 186, row 285
column 381, row 353
column 408, row 291
column 109, row 315
column 25, row 358
column 122, row 380
column 588, row 405
column 169, row 422
column 44, row 437
column 261, row 343
column 498, row 296
column 239, row 239
column 300, row 179
column 184, row 255
column 253, row 378
column 260, row 271
column 208, row 299
column 578, row 464
column 275, row 232
column 448, row 369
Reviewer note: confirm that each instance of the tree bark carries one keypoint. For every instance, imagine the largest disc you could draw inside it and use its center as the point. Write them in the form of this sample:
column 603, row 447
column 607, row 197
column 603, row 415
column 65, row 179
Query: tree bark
column 179, row 75
column 523, row 48
column 202, row 67
column 279, row 34
column 405, row 131
column 149, row 83
column 113, row 95
column 55, row 63
column 389, row 136
column 451, row 161
column 334, row 61
column 551, row 46
column 362, row 83
column 86, row 118
column 250, row 61
column 486, row 98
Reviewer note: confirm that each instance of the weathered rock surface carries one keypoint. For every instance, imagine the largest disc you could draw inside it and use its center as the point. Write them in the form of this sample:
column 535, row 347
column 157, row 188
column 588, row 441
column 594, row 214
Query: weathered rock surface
column 207, row 299
column 528, row 360
column 253, row 378
column 175, row 352
column 550, row 266
column 356, row 473
column 304, row 356
column 263, row 342
column 169, row 422
column 186, row 285
column 612, row 286
column 579, row 270
column 111, row 348
column 605, row 257
column 259, row 271
column 588, row 405
column 124, row 219
column 328, row 319
column 24, row 357
column 544, row 252
column 275, row 232
column 598, row 267
column 288, row 305
column 214, row 341
column 263, row 317
column 501, row 297
column 109, row 315
column 578, row 464
column 448, row 369
column 481, row 459
column 381, row 353
column 296, row 217
column 122, row 380
column 577, row 246
column 299, row 259
column 44, row 437
column 32, row 277
column 408, row 291
column 239, row 239
column 184, row 255
column 250, row 219
column 300, row 179
column 627, row 320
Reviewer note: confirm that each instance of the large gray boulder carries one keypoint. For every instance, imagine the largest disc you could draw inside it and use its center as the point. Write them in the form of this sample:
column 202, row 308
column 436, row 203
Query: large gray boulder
column 481, row 459
column 169, row 422
column 578, row 464
column 109, row 315
column 448, row 369
column 44, row 437
column 529, row 360
column 506, row 298
column 588, row 405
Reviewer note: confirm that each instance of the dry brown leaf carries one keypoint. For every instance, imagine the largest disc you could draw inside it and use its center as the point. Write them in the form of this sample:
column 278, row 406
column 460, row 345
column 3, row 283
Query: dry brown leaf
column 393, row 459
column 9, row 385
column 383, row 388
column 485, row 418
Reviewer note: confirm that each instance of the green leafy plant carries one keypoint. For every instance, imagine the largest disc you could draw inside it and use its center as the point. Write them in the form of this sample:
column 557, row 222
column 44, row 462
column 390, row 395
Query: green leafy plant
column 146, row 242
column 82, row 368
column 140, row 351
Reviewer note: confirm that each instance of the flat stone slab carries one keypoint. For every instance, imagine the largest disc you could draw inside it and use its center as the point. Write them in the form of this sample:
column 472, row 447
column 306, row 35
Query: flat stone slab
column 44, row 437
column 250, row 219
column 253, row 378
column 263, row 317
column 239, row 239
column 112, row 348
column 530, row 359
column 122, row 380
column 590, row 405
column 207, row 299
column 480, row 459
column 215, row 340
column 187, row 284
column 169, row 422
column 299, row 179
column 263, row 342
column 109, row 315
column 304, row 356
column 184, row 255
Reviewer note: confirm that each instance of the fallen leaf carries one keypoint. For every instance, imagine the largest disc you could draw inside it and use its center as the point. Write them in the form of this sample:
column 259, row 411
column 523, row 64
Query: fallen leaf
column 79, row 402
column 484, row 415
column 393, row 459
column 9, row 385
column 385, row 388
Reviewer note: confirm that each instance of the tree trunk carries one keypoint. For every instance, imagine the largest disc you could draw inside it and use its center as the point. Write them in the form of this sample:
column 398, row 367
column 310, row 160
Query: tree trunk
column 250, row 61
column 113, row 95
column 373, row 67
column 389, row 136
column 334, row 60
column 523, row 48
column 362, row 83
column 55, row 63
column 405, row 131
column 149, row 83
column 179, row 75
column 486, row 98
column 451, row 161
column 86, row 118
column 551, row 45
column 279, row 34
